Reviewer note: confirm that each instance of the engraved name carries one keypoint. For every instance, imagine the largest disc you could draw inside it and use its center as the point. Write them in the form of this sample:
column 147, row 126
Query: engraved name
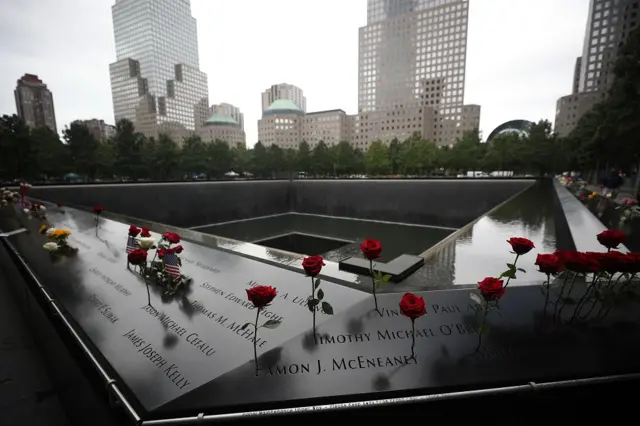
column 117, row 286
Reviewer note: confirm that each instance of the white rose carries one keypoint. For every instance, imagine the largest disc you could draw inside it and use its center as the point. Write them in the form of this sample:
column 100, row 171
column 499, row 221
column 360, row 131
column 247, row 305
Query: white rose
column 50, row 231
column 50, row 246
column 26, row 211
column 146, row 243
column 42, row 208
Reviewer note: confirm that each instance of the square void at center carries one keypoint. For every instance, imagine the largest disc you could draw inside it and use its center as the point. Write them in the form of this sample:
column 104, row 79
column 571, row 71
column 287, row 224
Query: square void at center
column 303, row 243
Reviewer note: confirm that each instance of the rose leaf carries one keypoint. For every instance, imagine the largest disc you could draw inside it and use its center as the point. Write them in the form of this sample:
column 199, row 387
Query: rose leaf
column 327, row 308
column 320, row 294
column 271, row 324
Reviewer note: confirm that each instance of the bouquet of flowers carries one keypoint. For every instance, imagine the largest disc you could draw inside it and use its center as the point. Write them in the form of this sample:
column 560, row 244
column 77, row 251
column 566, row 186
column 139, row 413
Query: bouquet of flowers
column 58, row 243
column 36, row 211
column 164, row 268
column 630, row 209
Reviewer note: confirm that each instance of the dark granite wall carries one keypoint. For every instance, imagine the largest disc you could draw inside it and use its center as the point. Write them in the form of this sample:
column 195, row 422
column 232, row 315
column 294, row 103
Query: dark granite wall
column 179, row 204
column 451, row 203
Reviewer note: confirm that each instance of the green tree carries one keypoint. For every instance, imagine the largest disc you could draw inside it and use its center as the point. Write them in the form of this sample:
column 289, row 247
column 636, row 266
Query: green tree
column 52, row 156
column 106, row 159
column 241, row 158
column 83, row 149
column 345, row 158
column 219, row 158
column 304, row 157
column 193, row 158
column 504, row 153
column 129, row 147
column 166, row 158
column 322, row 161
column 290, row 162
column 377, row 159
column 394, row 156
column 467, row 153
column 260, row 160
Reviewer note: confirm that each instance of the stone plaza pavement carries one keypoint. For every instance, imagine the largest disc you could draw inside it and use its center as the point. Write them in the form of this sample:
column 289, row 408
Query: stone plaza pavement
column 27, row 396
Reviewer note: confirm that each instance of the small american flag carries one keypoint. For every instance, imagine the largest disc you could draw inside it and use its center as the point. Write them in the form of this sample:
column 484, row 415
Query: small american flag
column 171, row 265
column 132, row 244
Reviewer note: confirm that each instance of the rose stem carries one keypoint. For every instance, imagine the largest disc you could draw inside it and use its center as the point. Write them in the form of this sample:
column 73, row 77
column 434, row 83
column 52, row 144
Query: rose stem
column 564, row 303
column 255, row 339
column 585, row 297
column 624, row 286
column 413, row 337
column 373, row 281
column 514, row 264
column 546, row 296
column 313, row 296
column 564, row 283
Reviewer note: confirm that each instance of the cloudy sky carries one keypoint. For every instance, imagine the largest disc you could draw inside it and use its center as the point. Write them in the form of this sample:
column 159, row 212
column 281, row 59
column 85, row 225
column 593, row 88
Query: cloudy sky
column 520, row 57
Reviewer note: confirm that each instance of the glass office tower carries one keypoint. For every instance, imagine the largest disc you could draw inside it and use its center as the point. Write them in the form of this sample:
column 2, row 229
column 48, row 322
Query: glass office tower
column 156, row 81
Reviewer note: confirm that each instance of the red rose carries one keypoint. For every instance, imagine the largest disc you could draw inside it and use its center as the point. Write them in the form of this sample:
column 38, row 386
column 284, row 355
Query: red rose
column 491, row 288
column 137, row 257
column 178, row 249
column 261, row 295
column 59, row 204
column 629, row 263
column 145, row 232
column 371, row 249
column 549, row 263
column 312, row 265
column 133, row 231
column 172, row 237
column 161, row 252
column 609, row 262
column 580, row 262
column 97, row 209
column 611, row 238
column 412, row 306
column 520, row 245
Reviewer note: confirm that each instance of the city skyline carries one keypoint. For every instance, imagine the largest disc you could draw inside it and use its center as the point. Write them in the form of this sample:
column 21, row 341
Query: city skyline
column 516, row 68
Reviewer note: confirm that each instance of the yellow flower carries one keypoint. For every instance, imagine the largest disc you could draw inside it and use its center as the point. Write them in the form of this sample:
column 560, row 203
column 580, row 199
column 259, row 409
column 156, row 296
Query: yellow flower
column 43, row 229
column 60, row 233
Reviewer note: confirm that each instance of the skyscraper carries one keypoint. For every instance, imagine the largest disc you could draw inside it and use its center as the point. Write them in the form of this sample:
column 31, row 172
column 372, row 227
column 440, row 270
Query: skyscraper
column 609, row 23
column 34, row 102
column 412, row 59
column 156, row 81
column 284, row 91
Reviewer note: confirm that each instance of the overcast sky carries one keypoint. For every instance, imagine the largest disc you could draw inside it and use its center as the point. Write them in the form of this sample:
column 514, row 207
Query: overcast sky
column 520, row 56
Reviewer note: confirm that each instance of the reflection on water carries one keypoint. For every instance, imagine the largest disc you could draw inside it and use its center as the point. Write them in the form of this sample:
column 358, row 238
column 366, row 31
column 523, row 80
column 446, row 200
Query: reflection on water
column 482, row 250
column 396, row 238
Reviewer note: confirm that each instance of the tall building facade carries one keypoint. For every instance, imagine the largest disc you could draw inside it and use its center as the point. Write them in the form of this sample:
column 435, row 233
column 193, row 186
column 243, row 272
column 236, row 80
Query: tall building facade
column 609, row 23
column 412, row 57
column 226, row 123
column 34, row 102
column 98, row 128
column 284, row 91
column 156, row 81
column 229, row 111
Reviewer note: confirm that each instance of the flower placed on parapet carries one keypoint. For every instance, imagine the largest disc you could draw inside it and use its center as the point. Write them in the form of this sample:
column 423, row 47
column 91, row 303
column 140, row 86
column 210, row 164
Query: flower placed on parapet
column 260, row 296
column 50, row 246
column 312, row 265
column 412, row 307
column 371, row 249
column 521, row 245
column 611, row 238
column 98, row 211
column 145, row 232
column 171, row 237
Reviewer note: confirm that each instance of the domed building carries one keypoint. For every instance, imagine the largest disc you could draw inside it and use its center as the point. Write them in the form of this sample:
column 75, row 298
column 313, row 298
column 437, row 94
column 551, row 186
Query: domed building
column 281, row 124
column 520, row 127
column 223, row 127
